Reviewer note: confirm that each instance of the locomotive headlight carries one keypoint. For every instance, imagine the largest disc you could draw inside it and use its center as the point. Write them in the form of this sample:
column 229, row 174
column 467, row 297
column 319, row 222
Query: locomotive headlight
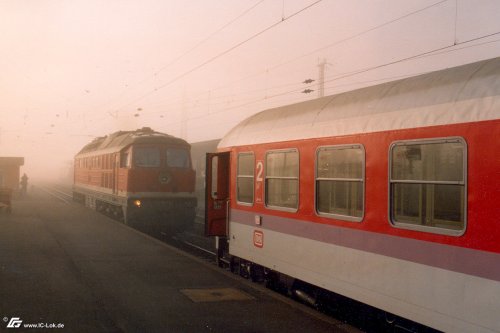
column 137, row 203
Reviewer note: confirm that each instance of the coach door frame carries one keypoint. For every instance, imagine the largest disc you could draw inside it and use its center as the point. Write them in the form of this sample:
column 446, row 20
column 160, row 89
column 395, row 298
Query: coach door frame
column 217, row 194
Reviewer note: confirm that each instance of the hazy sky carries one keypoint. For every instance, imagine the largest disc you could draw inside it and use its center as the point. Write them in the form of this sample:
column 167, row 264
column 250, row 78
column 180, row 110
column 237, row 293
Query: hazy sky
column 72, row 70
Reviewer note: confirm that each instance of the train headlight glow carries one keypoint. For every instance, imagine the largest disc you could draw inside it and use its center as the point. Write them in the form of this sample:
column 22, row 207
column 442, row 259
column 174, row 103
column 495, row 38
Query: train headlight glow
column 137, row 203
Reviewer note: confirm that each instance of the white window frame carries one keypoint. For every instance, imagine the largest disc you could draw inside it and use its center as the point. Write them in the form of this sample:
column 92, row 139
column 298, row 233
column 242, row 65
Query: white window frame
column 418, row 227
column 362, row 180
column 266, row 177
column 243, row 203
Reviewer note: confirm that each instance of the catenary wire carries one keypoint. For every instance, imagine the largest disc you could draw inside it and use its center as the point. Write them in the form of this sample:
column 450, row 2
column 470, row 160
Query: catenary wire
column 350, row 74
column 291, row 60
column 210, row 60
column 194, row 47
column 331, row 45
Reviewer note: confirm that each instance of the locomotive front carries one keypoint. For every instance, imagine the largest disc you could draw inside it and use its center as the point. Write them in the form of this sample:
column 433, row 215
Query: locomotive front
column 158, row 181
column 144, row 178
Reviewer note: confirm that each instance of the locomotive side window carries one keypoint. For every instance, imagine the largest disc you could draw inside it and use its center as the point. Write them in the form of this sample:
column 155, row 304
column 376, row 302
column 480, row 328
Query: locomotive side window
column 148, row 157
column 428, row 185
column 177, row 158
column 244, row 178
column 340, row 182
column 282, row 179
column 125, row 159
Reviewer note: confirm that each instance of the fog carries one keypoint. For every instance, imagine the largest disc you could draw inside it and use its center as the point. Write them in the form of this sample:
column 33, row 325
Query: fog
column 75, row 70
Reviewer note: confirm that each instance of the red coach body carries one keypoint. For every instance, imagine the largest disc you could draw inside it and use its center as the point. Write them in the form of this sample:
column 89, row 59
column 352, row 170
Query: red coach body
column 388, row 195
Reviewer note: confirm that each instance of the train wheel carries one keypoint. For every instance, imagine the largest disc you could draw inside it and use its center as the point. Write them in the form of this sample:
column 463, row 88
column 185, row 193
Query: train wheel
column 233, row 265
column 256, row 273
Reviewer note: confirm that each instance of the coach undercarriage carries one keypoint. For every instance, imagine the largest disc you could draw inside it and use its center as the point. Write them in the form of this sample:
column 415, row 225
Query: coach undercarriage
column 343, row 308
column 168, row 215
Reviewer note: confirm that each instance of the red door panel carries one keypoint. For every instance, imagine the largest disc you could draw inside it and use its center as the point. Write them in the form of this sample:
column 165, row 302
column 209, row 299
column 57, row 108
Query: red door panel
column 217, row 194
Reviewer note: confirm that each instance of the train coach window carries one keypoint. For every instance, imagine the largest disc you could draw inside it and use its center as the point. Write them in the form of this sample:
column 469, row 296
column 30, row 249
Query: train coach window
column 282, row 179
column 178, row 158
column 245, row 176
column 428, row 185
column 148, row 157
column 340, row 182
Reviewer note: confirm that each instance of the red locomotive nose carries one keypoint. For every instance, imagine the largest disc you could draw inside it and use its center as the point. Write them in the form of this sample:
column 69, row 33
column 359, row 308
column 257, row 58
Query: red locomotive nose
column 138, row 175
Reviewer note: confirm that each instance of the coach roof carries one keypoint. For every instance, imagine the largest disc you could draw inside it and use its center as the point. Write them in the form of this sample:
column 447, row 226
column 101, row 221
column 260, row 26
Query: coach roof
column 456, row 95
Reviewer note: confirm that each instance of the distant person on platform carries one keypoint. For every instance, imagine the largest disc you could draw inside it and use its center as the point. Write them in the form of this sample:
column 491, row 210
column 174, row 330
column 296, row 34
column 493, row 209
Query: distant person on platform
column 24, row 184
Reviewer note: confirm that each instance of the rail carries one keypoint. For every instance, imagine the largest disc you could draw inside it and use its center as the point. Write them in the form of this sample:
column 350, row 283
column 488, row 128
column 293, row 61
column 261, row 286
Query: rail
column 57, row 193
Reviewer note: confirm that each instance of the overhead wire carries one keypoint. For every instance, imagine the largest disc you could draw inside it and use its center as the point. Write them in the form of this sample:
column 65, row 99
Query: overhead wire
column 361, row 33
column 434, row 52
column 338, row 77
column 438, row 51
column 217, row 56
column 359, row 71
column 209, row 37
column 420, row 55
column 194, row 47
column 229, row 23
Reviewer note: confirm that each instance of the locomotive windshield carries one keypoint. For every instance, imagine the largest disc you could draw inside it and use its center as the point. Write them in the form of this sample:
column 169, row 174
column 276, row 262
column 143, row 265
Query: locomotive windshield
column 148, row 157
column 177, row 158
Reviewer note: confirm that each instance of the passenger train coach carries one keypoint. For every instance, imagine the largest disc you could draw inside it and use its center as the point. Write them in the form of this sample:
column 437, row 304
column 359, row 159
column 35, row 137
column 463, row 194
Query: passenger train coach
column 142, row 177
column 388, row 195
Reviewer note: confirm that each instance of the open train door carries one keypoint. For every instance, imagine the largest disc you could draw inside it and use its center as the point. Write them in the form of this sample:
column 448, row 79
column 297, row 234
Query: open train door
column 217, row 194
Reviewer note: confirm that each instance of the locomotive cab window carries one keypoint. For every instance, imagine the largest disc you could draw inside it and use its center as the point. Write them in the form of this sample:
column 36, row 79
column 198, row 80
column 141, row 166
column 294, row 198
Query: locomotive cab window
column 428, row 185
column 178, row 158
column 282, row 179
column 245, row 178
column 147, row 157
column 340, row 182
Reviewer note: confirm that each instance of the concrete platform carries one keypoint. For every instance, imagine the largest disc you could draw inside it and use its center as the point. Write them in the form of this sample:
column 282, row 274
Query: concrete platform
column 63, row 264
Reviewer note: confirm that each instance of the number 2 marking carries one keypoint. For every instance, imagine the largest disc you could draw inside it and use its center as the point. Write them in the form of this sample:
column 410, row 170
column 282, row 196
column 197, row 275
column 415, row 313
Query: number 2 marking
column 260, row 170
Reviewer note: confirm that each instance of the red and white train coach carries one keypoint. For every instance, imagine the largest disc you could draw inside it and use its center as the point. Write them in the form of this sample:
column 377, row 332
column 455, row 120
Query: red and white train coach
column 142, row 177
column 388, row 195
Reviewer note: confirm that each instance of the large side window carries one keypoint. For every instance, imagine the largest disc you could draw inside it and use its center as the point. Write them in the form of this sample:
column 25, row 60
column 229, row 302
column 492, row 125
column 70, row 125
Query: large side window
column 244, row 178
column 340, row 182
column 282, row 179
column 428, row 185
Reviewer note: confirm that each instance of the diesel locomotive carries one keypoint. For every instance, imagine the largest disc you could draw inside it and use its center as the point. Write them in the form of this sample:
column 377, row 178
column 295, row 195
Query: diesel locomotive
column 144, row 178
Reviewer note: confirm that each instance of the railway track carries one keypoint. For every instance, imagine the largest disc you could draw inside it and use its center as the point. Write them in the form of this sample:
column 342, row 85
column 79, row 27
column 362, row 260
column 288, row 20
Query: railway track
column 58, row 192
column 192, row 241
